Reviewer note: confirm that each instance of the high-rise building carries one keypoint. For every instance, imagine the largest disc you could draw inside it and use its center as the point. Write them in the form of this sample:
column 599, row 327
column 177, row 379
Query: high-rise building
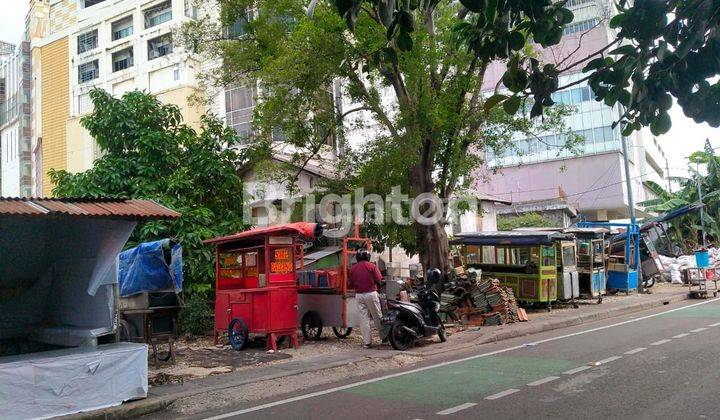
column 119, row 46
column 538, row 170
column 15, row 120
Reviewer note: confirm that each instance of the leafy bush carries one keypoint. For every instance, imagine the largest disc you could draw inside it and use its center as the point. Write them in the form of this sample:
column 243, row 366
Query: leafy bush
column 525, row 220
column 197, row 316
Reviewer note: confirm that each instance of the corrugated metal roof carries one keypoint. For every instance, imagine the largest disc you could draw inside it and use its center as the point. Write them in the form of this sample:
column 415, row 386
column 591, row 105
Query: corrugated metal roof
column 87, row 207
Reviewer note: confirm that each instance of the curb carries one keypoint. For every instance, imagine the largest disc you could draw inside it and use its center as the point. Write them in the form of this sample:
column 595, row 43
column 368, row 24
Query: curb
column 155, row 404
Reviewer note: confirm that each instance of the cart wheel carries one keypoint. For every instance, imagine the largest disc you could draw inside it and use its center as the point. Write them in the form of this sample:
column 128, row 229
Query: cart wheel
column 238, row 334
column 311, row 326
column 162, row 357
column 280, row 340
column 342, row 332
column 126, row 330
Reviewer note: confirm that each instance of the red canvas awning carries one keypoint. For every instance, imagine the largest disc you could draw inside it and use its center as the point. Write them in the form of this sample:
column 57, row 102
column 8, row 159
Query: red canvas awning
column 308, row 230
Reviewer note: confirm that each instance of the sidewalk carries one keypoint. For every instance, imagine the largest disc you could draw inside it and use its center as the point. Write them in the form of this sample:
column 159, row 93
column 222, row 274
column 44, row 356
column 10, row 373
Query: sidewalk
column 161, row 397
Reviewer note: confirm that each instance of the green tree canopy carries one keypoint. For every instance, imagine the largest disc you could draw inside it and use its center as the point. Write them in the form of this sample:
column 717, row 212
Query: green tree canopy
column 149, row 153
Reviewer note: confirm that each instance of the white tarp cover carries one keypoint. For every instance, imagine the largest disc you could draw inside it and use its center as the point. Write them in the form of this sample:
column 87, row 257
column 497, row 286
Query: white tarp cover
column 61, row 382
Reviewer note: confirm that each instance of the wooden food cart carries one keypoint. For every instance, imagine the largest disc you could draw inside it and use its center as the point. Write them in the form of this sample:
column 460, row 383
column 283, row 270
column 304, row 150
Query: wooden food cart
column 327, row 301
column 592, row 259
column 567, row 272
column 523, row 261
column 256, row 290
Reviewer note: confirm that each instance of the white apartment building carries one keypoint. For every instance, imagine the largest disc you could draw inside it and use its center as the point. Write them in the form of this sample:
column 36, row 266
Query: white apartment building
column 15, row 121
column 121, row 46
column 116, row 45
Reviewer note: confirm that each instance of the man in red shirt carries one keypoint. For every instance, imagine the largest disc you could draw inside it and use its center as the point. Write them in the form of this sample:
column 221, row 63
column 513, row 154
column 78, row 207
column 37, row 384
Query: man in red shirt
column 365, row 278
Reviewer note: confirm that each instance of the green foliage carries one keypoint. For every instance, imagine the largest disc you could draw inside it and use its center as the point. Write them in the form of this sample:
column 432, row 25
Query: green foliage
column 524, row 220
column 686, row 227
column 197, row 315
column 147, row 152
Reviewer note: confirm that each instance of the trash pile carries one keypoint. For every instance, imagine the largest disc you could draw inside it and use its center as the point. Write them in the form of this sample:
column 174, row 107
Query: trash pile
column 473, row 300
column 674, row 267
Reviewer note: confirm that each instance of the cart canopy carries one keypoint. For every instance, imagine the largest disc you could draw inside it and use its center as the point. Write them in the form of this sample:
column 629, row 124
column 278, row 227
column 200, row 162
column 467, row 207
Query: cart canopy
column 513, row 238
column 305, row 229
column 151, row 267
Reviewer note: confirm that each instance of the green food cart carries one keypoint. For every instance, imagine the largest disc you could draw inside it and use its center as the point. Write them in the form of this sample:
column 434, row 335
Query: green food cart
column 525, row 261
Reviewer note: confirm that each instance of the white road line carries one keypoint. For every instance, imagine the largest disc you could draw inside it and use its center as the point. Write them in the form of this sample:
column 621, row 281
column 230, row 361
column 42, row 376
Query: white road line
column 543, row 380
column 609, row 359
column 637, row 350
column 680, row 335
column 502, row 394
column 455, row 409
column 576, row 370
column 660, row 342
column 447, row 363
column 698, row 329
column 714, row 325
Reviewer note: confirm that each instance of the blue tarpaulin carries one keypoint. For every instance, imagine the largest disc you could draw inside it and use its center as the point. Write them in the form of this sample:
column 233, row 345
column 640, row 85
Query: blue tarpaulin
column 144, row 268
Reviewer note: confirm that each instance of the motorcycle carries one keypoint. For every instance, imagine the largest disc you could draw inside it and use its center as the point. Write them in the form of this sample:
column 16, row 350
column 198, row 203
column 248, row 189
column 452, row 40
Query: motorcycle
column 408, row 322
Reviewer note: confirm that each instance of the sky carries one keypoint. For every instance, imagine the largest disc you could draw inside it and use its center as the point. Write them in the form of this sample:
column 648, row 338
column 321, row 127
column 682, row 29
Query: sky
column 684, row 138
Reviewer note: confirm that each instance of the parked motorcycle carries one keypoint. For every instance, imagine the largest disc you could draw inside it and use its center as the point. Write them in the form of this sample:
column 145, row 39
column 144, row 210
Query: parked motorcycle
column 409, row 322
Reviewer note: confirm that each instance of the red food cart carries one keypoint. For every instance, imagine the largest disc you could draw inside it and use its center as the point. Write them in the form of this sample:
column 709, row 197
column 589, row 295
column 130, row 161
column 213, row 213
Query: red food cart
column 255, row 287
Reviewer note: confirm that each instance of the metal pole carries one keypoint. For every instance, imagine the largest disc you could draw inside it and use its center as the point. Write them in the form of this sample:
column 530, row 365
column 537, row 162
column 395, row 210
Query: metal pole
column 631, row 211
column 702, row 210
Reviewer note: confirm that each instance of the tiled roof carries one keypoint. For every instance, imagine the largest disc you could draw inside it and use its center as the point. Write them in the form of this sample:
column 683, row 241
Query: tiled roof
column 85, row 207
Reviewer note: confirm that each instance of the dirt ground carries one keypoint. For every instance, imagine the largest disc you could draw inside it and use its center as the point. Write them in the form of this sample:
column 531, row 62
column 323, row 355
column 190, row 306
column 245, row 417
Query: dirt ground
column 199, row 357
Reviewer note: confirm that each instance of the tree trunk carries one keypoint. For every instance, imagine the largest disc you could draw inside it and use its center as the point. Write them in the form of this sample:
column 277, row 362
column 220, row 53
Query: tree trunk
column 433, row 246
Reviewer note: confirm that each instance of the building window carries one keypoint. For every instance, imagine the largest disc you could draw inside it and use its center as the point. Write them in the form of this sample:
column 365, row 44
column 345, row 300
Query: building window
column 239, row 103
column 573, row 96
column 583, row 26
column 88, row 71
column 88, row 3
column 239, row 27
column 176, row 74
column 122, row 28
column 191, row 10
column 122, row 59
column 87, row 41
column 160, row 46
column 159, row 14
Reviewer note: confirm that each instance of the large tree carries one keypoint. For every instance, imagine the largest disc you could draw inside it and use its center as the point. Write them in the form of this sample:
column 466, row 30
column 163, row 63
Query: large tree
column 418, row 97
column 148, row 152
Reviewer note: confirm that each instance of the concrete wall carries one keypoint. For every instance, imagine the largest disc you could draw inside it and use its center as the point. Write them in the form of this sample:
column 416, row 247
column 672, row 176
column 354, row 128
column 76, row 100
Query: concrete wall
column 573, row 177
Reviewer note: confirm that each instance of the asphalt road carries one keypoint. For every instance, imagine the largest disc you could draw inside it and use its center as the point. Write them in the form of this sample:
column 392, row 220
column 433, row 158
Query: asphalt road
column 659, row 363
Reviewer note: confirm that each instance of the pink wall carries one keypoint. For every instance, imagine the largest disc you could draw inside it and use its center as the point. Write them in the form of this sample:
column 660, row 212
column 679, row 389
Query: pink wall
column 540, row 181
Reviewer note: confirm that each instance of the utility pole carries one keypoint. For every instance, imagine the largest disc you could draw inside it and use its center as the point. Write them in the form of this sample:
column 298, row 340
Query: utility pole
column 702, row 209
column 631, row 209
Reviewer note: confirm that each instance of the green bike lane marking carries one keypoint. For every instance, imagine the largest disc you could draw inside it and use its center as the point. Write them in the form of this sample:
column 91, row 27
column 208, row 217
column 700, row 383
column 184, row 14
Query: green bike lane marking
column 708, row 311
column 466, row 381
